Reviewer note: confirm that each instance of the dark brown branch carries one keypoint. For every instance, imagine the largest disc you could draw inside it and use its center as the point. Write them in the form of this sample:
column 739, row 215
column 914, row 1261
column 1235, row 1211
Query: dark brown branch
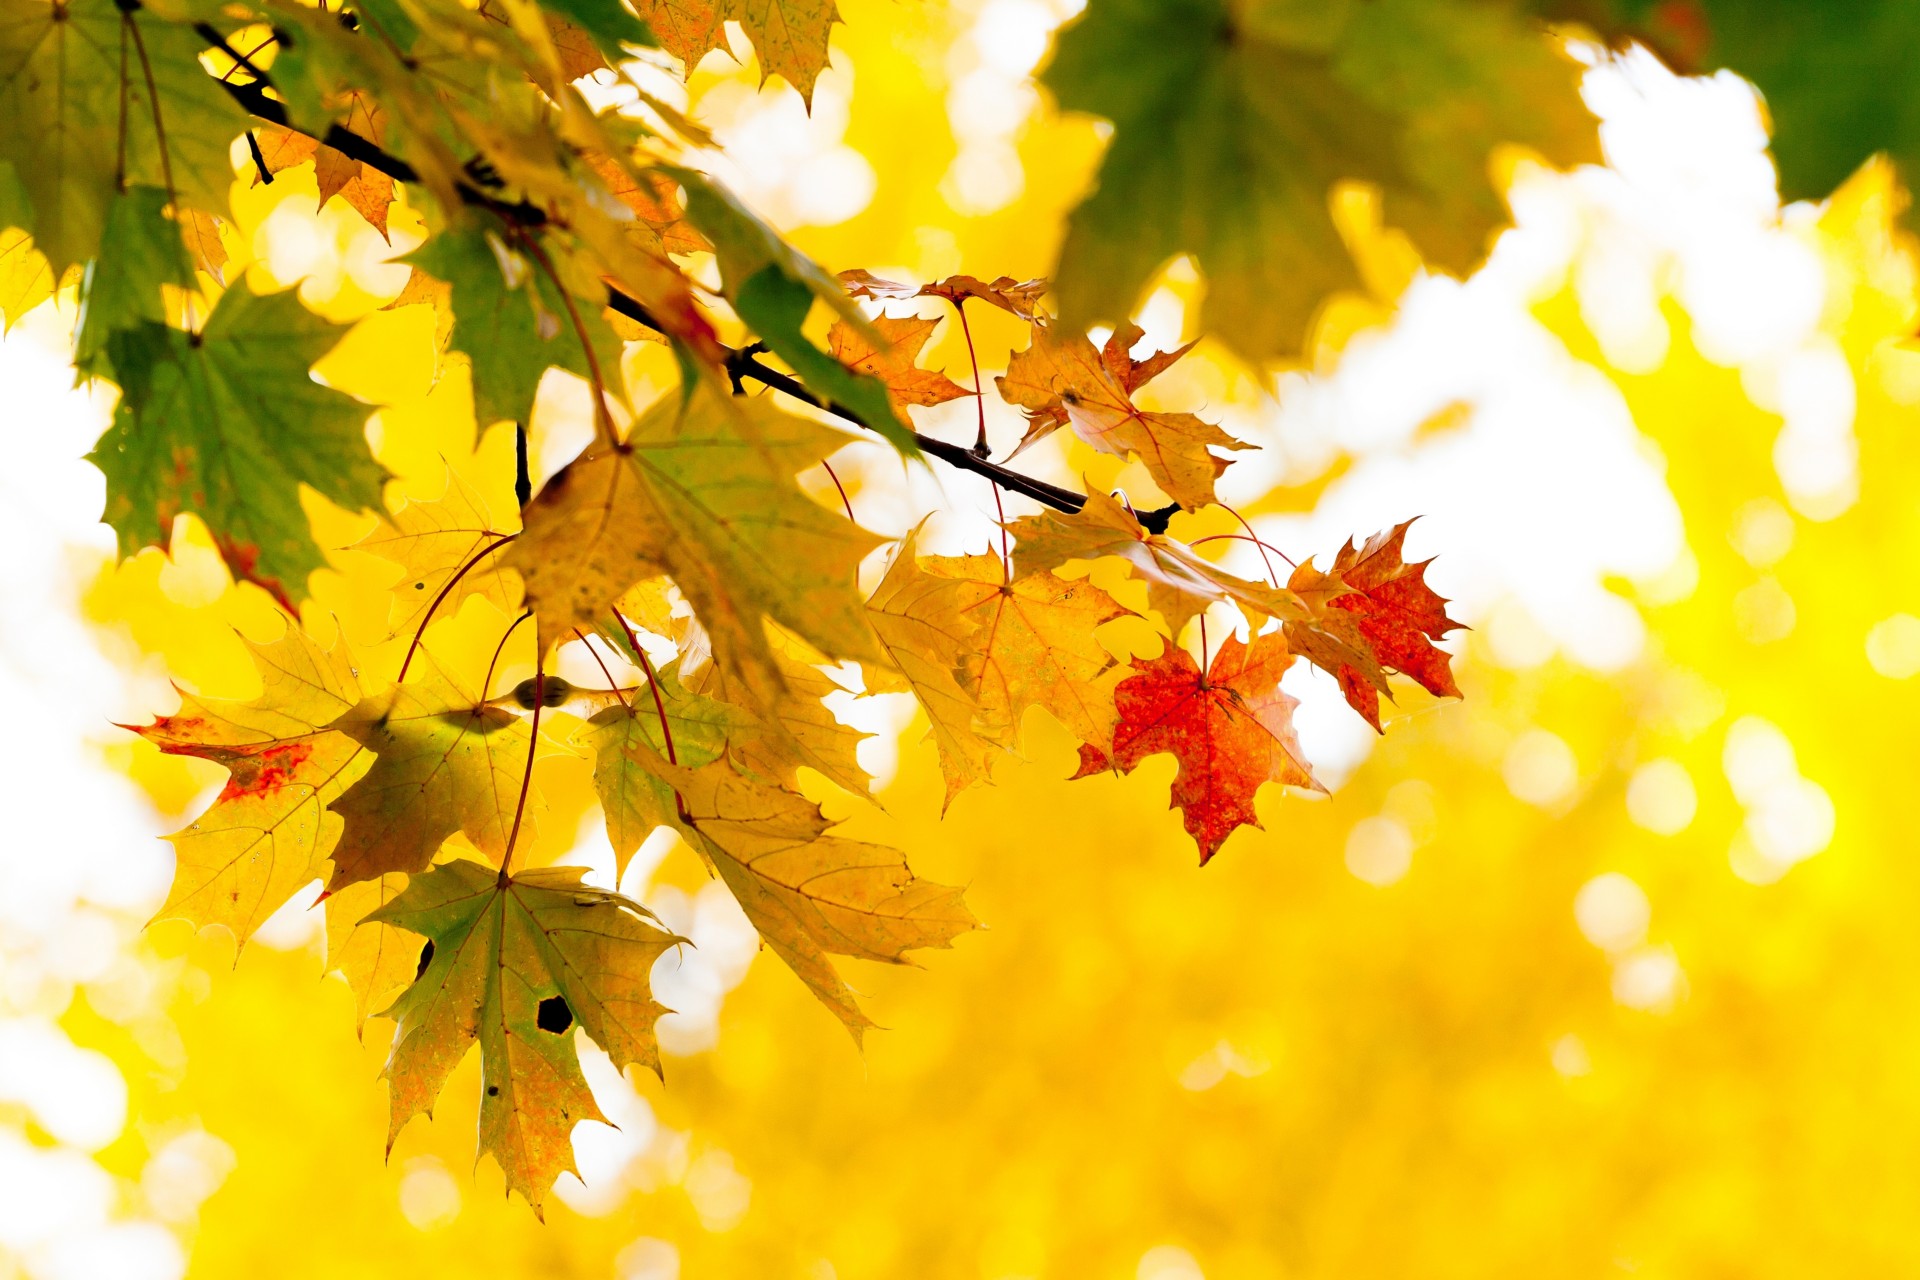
column 741, row 364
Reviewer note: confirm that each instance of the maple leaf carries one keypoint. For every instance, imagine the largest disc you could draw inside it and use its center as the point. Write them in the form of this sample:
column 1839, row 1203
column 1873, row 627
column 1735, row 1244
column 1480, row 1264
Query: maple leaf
column 660, row 219
column 449, row 550
column 590, row 534
column 919, row 619
column 895, row 360
column 377, row 960
column 1019, row 297
column 193, row 432
column 795, row 729
column 1231, row 730
column 1033, row 645
column 268, row 833
column 579, row 50
column 1179, row 583
column 141, row 251
column 443, row 762
column 789, row 35
column 1061, row 378
column 682, row 726
column 514, row 964
column 738, row 535
column 369, row 192
column 811, row 894
column 207, row 250
column 81, row 99
column 1233, row 122
column 510, row 320
column 1372, row 614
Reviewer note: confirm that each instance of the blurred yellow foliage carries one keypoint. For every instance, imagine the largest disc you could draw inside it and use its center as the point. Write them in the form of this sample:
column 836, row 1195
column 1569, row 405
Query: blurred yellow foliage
column 1376, row 1039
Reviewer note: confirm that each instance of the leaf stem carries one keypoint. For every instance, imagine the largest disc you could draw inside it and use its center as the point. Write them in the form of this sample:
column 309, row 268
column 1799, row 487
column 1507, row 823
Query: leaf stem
column 660, row 709
column 612, row 684
column 845, row 501
column 472, row 560
column 153, row 101
column 980, row 449
column 526, row 779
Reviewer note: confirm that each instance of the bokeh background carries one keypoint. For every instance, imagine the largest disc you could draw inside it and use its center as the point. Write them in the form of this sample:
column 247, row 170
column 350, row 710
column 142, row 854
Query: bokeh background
column 1609, row 969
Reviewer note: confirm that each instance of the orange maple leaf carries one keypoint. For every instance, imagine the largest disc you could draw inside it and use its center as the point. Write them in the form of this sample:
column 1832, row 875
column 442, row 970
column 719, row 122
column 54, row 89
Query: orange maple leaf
column 1020, row 297
column 1060, row 379
column 896, row 362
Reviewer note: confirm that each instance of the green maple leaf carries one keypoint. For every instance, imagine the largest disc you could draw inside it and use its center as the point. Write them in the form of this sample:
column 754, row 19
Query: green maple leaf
column 515, row 964
column 227, row 424
column 140, row 250
column 1837, row 76
column 1233, row 121
column 512, row 330
column 64, row 86
column 627, row 737
column 773, row 285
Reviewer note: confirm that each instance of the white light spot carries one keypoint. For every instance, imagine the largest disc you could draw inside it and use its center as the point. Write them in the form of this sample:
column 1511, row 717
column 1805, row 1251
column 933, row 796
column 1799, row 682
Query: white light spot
column 187, row 1169
column 984, row 178
column 1379, row 850
column 1612, row 912
column 1650, row 980
column 1661, row 797
column 1570, row 1057
column 1540, row 769
column 648, row 1259
column 429, row 1196
column 77, row 1095
column 1893, row 647
column 1518, row 642
column 1168, row 1262
column 834, row 187
column 1792, row 823
column 1762, row 533
column 719, row 1192
column 1222, row 1060
column 1757, row 759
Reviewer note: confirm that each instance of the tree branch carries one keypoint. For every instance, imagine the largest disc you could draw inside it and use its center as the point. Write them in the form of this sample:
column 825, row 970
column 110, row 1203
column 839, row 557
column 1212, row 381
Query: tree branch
column 740, row 363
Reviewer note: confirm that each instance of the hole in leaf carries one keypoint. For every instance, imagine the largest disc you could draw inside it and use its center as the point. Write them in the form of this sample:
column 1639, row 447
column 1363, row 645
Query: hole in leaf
column 426, row 958
column 493, row 1091
column 554, row 1015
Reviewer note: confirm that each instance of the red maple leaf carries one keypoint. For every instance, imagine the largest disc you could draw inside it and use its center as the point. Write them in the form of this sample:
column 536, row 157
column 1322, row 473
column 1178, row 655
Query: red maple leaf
column 1231, row 730
column 1372, row 614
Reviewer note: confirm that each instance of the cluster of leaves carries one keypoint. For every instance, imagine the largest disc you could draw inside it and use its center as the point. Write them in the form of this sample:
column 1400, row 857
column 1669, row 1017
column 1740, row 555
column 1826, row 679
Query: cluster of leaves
column 712, row 592
column 679, row 550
